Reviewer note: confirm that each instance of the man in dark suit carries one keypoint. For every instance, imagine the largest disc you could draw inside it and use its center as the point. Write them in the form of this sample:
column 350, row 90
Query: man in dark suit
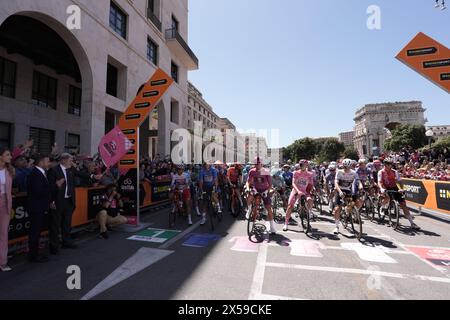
column 38, row 204
column 62, row 187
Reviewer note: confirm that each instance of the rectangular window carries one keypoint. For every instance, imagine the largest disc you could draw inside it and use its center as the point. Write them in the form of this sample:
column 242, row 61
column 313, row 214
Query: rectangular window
column 73, row 143
column 118, row 20
column 152, row 51
column 174, row 112
column 175, row 23
column 44, row 90
column 111, row 80
column 7, row 78
column 174, row 72
column 5, row 135
column 43, row 139
column 75, row 101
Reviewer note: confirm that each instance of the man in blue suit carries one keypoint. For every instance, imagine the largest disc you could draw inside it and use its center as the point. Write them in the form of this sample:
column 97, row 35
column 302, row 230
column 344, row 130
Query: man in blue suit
column 38, row 204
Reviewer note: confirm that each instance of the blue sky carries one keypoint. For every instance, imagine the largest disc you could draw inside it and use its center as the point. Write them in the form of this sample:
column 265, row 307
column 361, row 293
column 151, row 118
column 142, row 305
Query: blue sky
column 304, row 67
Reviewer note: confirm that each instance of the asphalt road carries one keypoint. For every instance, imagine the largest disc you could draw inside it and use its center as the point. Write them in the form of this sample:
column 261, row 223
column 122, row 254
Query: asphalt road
column 386, row 264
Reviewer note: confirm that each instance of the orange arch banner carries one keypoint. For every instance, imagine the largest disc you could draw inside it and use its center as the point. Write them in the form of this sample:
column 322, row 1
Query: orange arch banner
column 137, row 112
column 429, row 58
column 122, row 143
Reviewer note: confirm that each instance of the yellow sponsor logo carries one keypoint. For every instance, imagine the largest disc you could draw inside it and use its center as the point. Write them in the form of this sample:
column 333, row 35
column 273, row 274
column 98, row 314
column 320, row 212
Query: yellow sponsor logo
column 444, row 194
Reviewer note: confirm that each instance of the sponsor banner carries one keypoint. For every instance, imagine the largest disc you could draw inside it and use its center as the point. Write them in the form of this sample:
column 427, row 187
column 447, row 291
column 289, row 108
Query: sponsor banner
column 94, row 197
column 198, row 240
column 128, row 188
column 429, row 194
column 155, row 235
column 160, row 188
column 443, row 196
column 19, row 225
column 415, row 191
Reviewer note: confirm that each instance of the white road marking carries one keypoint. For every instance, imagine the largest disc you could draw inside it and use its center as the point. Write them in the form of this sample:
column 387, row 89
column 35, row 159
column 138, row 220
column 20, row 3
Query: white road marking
column 357, row 271
column 263, row 296
column 370, row 254
column 404, row 247
column 141, row 260
column 258, row 276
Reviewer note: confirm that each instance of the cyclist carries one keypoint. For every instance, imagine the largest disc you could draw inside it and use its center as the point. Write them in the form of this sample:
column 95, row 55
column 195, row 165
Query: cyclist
column 194, row 187
column 388, row 180
column 234, row 178
column 260, row 181
column 278, row 183
column 365, row 178
column 181, row 183
column 344, row 184
column 287, row 175
column 208, row 183
column 330, row 177
column 221, row 181
column 302, row 185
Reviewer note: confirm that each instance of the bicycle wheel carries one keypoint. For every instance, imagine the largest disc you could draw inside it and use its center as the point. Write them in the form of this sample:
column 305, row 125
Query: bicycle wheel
column 304, row 216
column 356, row 223
column 251, row 223
column 394, row 215
column 368, row 207
column 210, row 213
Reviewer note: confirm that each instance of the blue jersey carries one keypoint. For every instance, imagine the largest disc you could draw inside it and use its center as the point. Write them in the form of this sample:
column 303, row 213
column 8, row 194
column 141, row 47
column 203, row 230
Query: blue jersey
column 287, row 176
column 365, row 175
column 208, row 177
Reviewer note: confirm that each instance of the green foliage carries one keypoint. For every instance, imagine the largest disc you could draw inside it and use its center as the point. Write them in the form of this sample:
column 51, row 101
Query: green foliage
column 350, row 153
column 320, row 150
column 405, row 136
column 441, row 144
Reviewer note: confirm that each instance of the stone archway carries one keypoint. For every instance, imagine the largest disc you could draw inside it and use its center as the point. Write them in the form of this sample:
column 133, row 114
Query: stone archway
column 82, row 61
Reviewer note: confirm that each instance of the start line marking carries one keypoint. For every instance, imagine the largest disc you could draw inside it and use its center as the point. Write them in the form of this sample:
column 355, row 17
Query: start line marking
column 357, row 271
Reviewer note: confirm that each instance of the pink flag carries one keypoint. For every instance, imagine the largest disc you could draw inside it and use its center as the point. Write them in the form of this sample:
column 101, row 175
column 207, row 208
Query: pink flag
column 113, row 147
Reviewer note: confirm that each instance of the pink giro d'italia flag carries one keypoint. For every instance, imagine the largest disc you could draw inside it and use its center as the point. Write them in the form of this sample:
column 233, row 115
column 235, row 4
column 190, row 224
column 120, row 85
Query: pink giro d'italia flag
column 113, row 147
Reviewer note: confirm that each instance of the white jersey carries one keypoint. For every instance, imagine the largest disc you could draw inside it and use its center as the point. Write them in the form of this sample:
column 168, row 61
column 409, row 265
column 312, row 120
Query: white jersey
column 346, row 181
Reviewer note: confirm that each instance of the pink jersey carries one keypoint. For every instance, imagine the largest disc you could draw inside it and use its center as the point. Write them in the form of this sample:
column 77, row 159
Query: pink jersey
column 261, row 180
column 303, row 180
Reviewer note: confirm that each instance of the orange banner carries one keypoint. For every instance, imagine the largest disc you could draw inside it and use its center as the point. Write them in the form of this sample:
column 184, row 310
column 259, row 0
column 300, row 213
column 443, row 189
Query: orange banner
column 429, row 58
column 138, row 110
column 428, row 194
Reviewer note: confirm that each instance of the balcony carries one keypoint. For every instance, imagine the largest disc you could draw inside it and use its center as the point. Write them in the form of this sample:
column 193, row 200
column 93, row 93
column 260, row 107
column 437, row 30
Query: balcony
column 154, row 19
column 180, row 48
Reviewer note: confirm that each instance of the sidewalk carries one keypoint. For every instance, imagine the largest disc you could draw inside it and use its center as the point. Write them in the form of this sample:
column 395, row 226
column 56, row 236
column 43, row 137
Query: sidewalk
column 429, row 213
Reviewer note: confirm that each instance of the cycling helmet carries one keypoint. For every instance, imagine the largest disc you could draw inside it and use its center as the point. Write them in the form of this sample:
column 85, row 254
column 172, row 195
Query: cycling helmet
column 332, row 167
column 303, row 162
column 388, row 161
column 297, row 167
column 347, row 163
column 362, row 161
column 334, row 163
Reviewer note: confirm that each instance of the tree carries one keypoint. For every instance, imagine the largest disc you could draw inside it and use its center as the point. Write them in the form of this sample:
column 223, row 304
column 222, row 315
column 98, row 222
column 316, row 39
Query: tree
column 322, row 149
column 328, row 149
column 351, row 153
column 406, row 136
column 442, row 144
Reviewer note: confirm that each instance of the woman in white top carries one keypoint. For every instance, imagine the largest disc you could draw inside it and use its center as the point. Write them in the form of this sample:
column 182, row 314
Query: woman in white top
column 6, row 177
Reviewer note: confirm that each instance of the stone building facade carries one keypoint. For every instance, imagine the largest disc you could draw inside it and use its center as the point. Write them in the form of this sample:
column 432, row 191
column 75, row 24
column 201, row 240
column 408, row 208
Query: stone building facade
column 70, row 86
column 373, row 123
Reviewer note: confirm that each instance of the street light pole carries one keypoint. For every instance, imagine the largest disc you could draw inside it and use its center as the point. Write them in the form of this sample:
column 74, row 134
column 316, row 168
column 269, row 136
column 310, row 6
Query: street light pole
column 429, row 134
